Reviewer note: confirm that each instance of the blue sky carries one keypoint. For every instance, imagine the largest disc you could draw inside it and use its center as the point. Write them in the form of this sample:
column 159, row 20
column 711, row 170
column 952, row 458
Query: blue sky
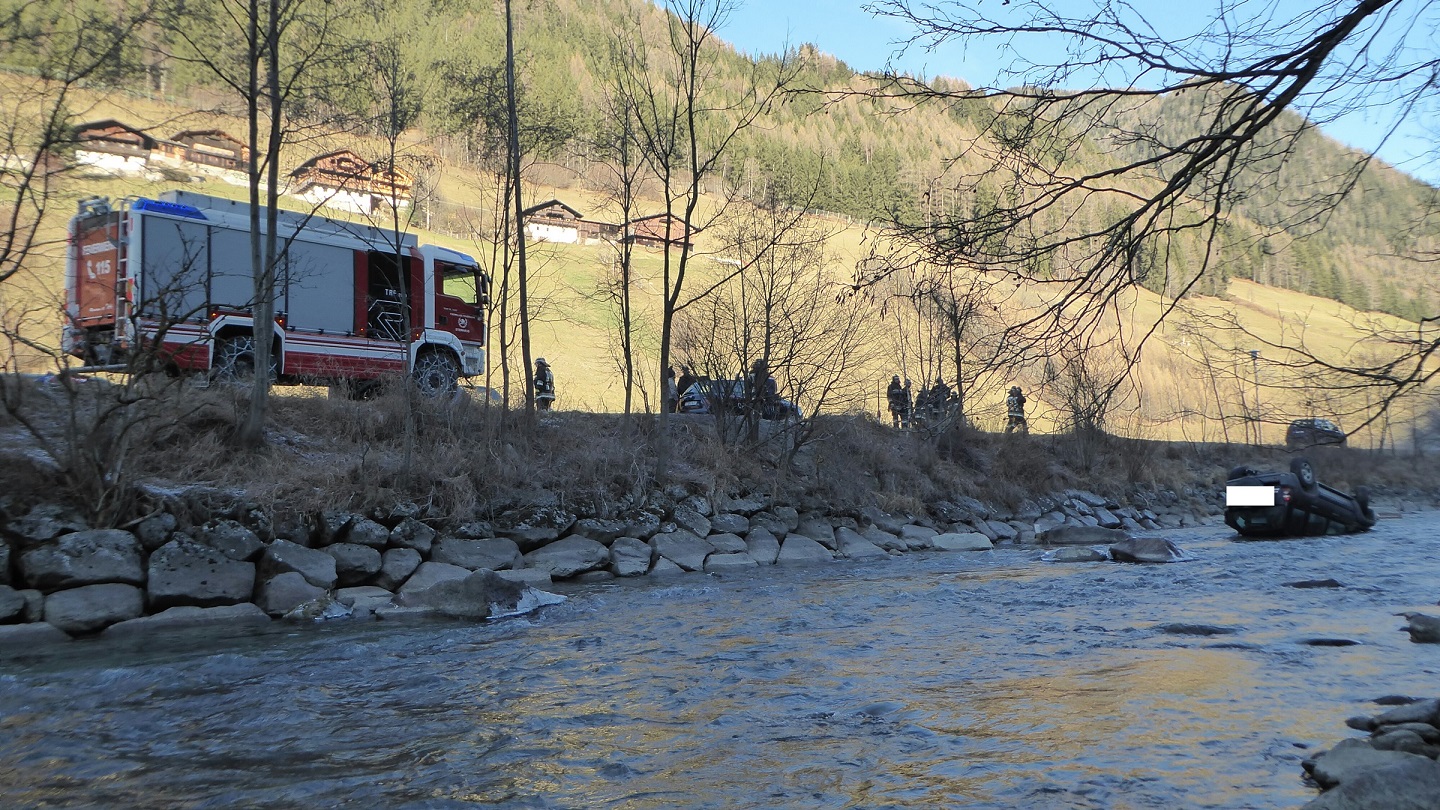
column 841, row 28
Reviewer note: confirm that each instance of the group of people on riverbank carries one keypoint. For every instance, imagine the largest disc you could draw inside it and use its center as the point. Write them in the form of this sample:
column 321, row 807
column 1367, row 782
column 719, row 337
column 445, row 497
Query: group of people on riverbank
column 939, row 403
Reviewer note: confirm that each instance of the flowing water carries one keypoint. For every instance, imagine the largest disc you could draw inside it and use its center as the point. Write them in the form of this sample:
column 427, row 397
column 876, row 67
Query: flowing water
column 985, row 679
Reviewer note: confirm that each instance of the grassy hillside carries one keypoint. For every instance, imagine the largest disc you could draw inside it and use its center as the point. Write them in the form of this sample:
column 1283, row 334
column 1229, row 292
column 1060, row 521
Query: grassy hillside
column 865, row 159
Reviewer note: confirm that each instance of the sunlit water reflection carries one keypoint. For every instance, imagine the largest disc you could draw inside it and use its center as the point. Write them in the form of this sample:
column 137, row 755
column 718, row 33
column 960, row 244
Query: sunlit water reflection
column 947, row 680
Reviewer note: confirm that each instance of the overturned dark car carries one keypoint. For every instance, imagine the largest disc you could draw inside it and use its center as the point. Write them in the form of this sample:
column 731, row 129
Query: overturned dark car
column 1292, row 504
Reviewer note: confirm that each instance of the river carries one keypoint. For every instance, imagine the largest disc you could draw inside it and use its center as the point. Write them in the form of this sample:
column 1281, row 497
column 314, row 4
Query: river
column 986, row 679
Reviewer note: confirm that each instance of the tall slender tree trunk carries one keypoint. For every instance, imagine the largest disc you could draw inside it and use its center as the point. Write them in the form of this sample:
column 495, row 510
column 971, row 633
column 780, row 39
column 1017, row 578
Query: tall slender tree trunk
column 519, row 224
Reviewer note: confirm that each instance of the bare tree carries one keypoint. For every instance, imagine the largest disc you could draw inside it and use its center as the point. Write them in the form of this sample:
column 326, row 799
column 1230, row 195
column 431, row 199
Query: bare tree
column 684, row 133
column 625, row 175
column 278, row 57
column 1083, row 233
column 787, row 316
column 477, row 107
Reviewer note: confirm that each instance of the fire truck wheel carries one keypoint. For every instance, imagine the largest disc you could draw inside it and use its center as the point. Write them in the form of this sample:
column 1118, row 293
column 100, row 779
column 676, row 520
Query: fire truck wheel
column 436, row 373
column 235, row 360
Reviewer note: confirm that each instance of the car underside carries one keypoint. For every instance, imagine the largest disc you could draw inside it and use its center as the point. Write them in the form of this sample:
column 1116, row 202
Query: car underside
column 1292, row 504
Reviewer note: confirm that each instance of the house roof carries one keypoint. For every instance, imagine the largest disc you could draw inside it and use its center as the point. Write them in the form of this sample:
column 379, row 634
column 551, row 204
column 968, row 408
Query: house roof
column 550, row 204
column 338, row 154
column 110, row 123
column 217, row 134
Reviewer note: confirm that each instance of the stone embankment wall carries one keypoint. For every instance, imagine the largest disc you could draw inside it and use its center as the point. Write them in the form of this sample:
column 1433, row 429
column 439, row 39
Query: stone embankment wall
column 183, row 566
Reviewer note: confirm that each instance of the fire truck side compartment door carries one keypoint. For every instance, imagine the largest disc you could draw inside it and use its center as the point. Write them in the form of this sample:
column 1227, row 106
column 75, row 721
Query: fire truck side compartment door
column 176, row 264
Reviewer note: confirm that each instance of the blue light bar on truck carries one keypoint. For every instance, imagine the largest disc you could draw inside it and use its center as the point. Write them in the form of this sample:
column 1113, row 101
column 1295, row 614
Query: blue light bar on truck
column 170, row 208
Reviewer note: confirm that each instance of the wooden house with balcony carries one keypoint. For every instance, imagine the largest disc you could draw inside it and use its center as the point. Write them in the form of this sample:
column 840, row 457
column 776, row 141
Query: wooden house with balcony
column 210, row 148
column 112, row 146
column 344, row 180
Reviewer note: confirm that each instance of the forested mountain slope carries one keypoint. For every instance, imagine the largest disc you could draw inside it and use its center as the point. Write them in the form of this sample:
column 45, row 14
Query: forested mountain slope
column 865, row 158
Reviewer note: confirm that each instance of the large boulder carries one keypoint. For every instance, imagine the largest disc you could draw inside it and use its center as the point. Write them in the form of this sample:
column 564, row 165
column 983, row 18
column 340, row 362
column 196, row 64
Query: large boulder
column 770, row 523
column 601, row 530
column 629, row 557
column 533, row 577
column 1002, row 530
column 535, row 527
column 1421, row 711
column 1351, row 758
column 853, row 546
column 481, row 595
column 45, row 522
column 691, row 521
column 727, row 543
column 12, row 605
column 918, row 538
column 89, row 557
column 283, row 557
column 34, row 605
column 430, row 573
column 19, row 639
column 787, row 514
column 1072, row 535
column 884, row 539
column 93, row 607
column 664, row 568
column 682, row 548
column 801, row 550
column 884, row 521
column 155, row 530
column 967, row 541
column 496, row 553
column 762, row 546
column 820, row 531
column 411, row 533
column 366, row 532
column 4, row 562
column 1106, row 518
column 1147, row 550
column 1071, row 554
column 186, row 572
column 640, row 523
column 354, row 563
column 1423, row 629
column 566, row 558
column 1413, row 784
column 188, row 617
column 396, row 566
column 331, row 527
column 286, row 591
column 230, row 538
column 729, row 561
column 729, row 523
column 743, row 504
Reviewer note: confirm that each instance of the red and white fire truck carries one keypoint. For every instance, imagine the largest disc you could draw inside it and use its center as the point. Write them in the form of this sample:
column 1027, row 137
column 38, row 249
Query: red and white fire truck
column 173, row 276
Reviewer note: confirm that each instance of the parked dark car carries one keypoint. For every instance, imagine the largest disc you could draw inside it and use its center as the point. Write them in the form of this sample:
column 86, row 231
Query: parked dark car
column 1305, row 433
column 1279, row 504
column 732, row 396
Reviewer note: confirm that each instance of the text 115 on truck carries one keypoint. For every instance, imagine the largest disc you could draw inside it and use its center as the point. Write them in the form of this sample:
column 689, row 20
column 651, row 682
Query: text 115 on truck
column 173, row 276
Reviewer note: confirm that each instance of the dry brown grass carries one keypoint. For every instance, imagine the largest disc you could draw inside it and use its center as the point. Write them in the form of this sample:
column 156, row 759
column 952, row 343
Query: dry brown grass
column 464, row 460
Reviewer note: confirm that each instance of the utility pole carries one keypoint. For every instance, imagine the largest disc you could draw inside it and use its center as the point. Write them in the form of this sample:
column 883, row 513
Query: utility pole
column 1255, row 366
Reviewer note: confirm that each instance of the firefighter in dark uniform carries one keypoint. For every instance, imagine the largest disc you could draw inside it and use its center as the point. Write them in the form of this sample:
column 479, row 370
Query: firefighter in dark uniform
column 544, row 385
column 1015, row 412
column 898, row 398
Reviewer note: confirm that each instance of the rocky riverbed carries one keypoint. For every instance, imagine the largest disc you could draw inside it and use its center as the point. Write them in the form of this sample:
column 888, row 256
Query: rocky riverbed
column 201, row 558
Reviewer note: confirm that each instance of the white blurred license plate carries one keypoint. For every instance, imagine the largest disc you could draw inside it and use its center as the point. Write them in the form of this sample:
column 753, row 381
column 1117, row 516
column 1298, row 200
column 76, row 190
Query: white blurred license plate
column 1249, row 496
